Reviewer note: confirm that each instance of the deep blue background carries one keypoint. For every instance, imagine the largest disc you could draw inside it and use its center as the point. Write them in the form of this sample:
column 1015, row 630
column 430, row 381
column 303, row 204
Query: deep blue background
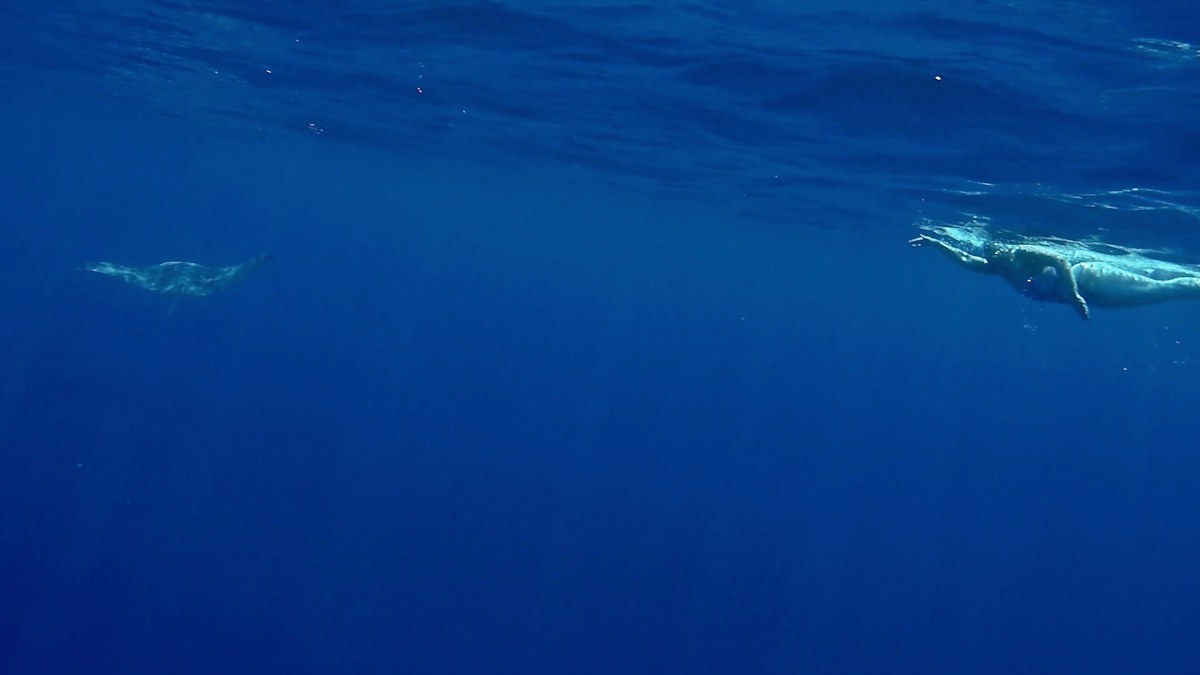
column 626, row 368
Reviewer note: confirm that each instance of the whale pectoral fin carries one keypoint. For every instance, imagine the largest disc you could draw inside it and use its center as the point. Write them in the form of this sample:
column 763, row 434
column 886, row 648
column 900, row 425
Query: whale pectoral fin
column 1069, row 288
column 1029, row 263
column 1081, row 307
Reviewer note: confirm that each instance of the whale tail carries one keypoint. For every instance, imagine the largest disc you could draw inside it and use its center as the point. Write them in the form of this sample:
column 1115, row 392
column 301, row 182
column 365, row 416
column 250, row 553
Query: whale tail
column 258, row 260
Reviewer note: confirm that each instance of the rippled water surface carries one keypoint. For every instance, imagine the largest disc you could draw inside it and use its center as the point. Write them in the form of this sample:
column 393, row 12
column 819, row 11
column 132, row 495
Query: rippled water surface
column 779, row 108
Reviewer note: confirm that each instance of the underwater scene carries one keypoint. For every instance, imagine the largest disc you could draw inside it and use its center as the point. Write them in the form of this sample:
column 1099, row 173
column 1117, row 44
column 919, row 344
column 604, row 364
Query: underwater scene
column 599, row 337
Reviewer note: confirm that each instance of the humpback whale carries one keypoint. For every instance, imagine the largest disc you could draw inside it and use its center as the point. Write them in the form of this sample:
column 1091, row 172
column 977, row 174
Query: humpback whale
column 179, row 278
column 1069, row 272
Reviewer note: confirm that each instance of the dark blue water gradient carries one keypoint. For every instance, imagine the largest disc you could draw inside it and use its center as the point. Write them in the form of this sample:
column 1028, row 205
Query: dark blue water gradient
column 592, row 342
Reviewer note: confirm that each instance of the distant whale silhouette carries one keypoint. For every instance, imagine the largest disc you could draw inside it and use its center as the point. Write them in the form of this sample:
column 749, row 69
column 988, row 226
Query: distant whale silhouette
column 179, row 278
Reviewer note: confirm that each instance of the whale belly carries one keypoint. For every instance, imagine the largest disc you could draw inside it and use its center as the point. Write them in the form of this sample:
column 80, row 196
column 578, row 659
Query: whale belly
column 1107, row 285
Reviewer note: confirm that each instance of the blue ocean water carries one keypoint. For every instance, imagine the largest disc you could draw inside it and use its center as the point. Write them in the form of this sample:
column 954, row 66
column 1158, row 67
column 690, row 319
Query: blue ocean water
column 592, row 342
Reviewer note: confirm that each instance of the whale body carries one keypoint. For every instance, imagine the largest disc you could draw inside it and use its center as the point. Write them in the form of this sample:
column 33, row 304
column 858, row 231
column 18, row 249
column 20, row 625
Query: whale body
column 179, row 278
